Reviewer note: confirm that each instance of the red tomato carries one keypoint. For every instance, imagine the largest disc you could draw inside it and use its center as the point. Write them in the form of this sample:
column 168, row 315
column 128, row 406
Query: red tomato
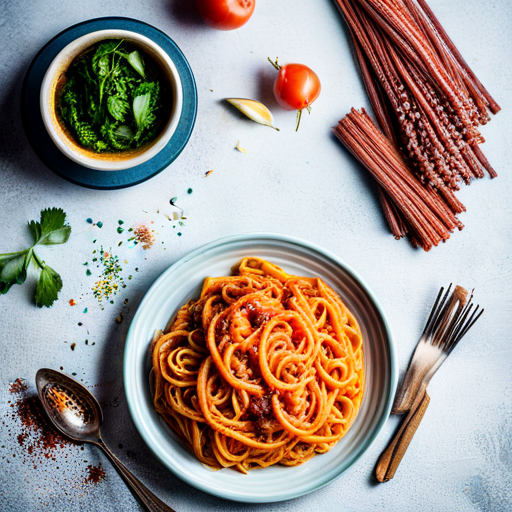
column 226, row 14
column 296, row 87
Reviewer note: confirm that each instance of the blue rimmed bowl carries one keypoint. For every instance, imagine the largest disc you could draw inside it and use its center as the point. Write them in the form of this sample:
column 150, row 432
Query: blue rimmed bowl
column 75, row 171
column 109, row 161
column 183, row 281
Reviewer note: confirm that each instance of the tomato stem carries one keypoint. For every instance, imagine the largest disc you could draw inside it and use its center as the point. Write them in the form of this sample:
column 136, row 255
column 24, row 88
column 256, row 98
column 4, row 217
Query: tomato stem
column 299, row 115
column 275, row 64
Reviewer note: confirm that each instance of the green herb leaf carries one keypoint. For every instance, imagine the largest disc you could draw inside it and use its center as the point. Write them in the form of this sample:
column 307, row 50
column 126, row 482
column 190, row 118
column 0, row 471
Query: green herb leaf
column 104, row 66
column 48, row 287
column 135, row 59
column 118, row 107
column 101, row 146
column 123, row 132
column 107, row 104
column 141, row 110
column 99, row 62
column 52, row 229
column 13, row 269
column 119, row 137
column 146, row 124
column 121, row 87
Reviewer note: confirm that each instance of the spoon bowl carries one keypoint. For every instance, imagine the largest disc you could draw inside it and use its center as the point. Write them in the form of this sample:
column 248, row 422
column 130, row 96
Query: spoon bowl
column 71, row 407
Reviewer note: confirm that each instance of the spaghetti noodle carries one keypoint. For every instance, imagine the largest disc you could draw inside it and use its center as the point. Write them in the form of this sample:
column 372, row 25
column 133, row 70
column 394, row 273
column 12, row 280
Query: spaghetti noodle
column 263, row 368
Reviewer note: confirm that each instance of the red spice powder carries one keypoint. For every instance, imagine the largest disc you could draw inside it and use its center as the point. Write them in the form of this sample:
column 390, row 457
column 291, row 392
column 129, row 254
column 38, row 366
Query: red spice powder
column 95, row 474
column 38, row 436
column 36, row 443
column 18, row 386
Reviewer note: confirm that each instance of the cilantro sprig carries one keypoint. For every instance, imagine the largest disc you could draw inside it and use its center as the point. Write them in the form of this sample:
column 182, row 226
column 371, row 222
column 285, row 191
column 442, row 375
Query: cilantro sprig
column 50, row 230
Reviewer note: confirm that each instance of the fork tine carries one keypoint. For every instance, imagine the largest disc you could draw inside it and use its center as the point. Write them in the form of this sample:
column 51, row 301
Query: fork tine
column 458, row 322
column 448, row 316
column 468, row 326
column 432, row 311
column 436, row 313
column 458, row 325
column 464, row 328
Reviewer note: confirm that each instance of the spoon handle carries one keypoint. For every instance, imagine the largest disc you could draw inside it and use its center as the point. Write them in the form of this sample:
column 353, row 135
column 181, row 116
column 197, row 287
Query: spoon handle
column 146, row 498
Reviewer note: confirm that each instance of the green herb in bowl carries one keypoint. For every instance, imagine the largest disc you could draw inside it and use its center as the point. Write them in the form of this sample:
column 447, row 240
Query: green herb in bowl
column 112, row 98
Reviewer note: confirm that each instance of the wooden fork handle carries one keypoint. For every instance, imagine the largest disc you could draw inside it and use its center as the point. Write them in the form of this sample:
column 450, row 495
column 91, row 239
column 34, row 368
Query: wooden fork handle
column 390, row 458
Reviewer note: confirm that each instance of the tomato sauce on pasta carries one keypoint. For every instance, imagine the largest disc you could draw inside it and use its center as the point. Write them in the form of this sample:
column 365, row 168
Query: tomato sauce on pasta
column 264, row 368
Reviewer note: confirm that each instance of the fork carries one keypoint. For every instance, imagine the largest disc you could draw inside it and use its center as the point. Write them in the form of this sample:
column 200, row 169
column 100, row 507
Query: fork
column 450, row 319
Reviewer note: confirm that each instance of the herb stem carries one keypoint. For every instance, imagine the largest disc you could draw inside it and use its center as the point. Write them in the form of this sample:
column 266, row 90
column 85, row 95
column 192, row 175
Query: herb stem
column 36, row 257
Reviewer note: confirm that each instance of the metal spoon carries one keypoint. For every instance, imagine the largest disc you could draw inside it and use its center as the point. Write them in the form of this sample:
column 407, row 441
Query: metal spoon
column 75, row 412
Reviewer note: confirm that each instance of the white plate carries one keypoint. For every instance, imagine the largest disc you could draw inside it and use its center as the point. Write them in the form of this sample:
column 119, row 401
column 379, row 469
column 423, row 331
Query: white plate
column 183, row 281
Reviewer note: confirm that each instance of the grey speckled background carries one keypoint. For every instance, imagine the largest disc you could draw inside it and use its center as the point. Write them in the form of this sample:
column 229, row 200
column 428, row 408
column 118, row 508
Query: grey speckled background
column 302, row 184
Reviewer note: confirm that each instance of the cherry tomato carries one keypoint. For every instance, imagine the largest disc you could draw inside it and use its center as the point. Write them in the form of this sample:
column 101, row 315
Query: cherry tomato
column 296, row 87
column 226, row 14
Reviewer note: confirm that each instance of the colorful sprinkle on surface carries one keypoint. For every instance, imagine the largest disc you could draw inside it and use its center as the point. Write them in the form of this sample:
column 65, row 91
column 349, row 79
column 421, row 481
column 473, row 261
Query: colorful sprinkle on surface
column 143, row 235
column 110, row 281
column 72, row 302
column 239, row 148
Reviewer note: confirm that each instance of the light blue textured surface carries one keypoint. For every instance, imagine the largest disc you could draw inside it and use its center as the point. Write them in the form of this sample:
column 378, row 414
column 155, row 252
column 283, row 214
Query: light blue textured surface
column 303, row 184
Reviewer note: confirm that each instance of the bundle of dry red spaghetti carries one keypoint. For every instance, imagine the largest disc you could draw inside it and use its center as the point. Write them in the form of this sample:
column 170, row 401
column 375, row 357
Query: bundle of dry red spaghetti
column 426, row 99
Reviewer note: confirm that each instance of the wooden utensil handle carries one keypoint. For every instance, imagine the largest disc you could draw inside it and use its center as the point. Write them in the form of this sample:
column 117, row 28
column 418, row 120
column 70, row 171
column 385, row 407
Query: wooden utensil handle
column 390, row 458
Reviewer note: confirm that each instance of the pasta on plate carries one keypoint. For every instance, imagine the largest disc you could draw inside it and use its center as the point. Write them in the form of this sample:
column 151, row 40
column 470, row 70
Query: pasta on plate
column 264, row 368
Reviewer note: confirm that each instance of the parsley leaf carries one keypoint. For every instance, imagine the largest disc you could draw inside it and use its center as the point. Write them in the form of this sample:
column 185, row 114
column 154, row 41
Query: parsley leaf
column 48, row 286
column 13, row 269
column 50, row 230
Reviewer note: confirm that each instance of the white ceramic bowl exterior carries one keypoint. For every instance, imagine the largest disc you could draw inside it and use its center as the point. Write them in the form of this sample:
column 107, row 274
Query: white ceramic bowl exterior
column 104, row 162
column 183, row 281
